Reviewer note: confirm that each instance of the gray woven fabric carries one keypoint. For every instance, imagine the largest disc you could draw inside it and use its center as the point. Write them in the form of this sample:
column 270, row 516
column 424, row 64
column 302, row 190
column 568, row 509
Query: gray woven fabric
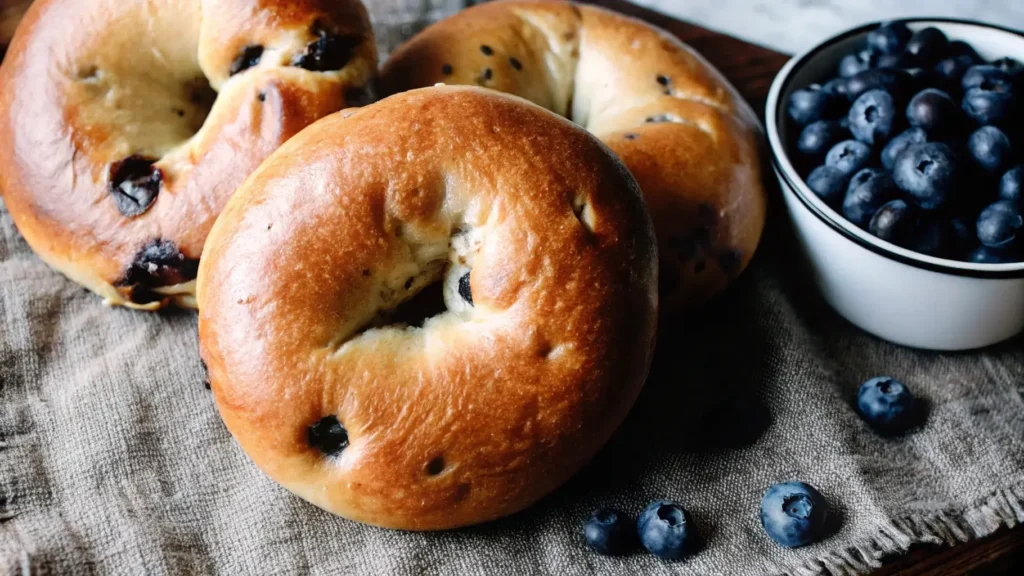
column 113, row 458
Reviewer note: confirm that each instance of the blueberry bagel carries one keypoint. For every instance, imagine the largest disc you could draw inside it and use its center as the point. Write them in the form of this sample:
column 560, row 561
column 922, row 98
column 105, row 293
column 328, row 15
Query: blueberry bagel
column 684, row 133
column 527, row 239
column 125, row 125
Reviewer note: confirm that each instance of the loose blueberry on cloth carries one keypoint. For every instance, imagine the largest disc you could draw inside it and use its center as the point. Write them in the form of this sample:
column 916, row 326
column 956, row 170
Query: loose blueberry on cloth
column 666, row 530
column 609, row 532
column 113, row 458
column 794, row 514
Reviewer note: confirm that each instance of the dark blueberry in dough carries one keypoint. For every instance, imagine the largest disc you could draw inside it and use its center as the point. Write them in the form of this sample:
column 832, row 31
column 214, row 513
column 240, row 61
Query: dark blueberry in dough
column 663, row 80
column 729, row 261
column 160, row 263
column 629, row 136
column 206, row 374
column 329, row 52
column 134, row 184
column 446, row 69
column 249, row 57
column 464, row 290
column 515, row 63
column 488, row 73
column 486, row 50
column 328, row 435
column 657, row 119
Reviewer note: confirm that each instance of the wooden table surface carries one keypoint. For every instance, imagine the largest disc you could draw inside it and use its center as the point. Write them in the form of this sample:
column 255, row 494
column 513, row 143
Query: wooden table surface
column 751, row 69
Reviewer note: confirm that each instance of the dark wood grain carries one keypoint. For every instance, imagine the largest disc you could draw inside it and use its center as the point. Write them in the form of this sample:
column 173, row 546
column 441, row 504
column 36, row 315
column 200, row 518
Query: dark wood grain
column 751, row 68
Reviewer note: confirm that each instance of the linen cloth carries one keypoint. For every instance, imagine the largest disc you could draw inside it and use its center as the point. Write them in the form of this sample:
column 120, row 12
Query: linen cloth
column 113, row 459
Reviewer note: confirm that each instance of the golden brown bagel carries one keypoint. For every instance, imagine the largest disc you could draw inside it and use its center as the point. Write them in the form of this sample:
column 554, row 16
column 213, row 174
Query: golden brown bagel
column 125, row 125
column 681, row 129
column 490, row 404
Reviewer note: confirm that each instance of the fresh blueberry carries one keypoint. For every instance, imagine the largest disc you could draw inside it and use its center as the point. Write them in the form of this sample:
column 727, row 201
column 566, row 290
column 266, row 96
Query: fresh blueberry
column 999, row 225
column 862, row 201
column 886, row 405
column 987, row 77
column 888, row 61
column 794, row 514
column 926, row 47
column 990, row 149
column 1011, row 186
column 608, row 532
column 829, row 184
column 933, row 236
column 894, row 222
column 898, row 83
column 819, row 137
column 889, row 38
column 873, row 117
column 862, row 176
column 814, row 103
column 852, row 64
column 952, row 69
column 986, row 255
column 927, row 173
column 848, row 156
column 959, row 48
column 1011, row 67
column 836, row 87
column 934, row 111
column 665, row 531
column 988, row 107
column 899, row 143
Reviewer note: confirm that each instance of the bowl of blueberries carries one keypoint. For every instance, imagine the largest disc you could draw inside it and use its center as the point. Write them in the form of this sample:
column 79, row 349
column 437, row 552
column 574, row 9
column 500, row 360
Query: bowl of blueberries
column 899, row 147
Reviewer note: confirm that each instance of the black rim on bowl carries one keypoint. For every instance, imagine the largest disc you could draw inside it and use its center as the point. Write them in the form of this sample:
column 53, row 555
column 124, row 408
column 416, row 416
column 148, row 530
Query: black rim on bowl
column 830, row 220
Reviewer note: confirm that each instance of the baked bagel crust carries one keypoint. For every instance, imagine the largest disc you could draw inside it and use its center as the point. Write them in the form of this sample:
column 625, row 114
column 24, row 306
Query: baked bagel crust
column 125, row 125
column 677, row 124
column 490, row 404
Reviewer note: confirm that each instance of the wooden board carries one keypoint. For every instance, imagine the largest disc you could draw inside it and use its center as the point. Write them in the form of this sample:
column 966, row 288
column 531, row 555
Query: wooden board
column 751, row 68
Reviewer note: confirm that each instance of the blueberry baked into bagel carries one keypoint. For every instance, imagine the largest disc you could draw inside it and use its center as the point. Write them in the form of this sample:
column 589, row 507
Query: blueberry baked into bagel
column 546, row 260
column 680, row 128
column 125, row 125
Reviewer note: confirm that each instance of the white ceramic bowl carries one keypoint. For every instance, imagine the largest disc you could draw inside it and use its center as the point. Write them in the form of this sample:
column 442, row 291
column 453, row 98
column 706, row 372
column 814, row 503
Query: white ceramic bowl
column 894, row 293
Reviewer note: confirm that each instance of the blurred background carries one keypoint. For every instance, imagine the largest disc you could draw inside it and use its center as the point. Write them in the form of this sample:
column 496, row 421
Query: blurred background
column 793, row 25
column 784, row 25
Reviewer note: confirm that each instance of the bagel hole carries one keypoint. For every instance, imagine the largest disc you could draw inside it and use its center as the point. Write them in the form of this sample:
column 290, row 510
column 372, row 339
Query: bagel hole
column 435, row 466
column 414, row 312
